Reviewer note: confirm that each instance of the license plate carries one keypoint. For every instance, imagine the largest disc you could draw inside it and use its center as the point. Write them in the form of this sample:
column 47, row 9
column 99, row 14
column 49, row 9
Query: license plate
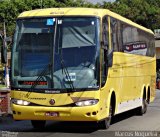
column 52, row 114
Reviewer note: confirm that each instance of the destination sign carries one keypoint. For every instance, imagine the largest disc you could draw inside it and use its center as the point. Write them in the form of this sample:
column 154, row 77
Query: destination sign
column 32, row 82
column 139, row 48
column 136, row 46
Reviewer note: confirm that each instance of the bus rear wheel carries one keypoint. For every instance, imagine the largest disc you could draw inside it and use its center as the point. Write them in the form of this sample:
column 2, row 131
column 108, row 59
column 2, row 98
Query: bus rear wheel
column 143, row 109
column 38, row 124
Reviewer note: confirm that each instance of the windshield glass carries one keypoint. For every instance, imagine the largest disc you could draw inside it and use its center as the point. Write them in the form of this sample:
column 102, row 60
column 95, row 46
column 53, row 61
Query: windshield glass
column 56, row 53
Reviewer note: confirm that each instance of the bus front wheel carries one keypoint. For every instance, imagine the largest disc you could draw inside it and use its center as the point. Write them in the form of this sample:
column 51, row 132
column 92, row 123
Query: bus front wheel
column 38, row 124
column 104, row 124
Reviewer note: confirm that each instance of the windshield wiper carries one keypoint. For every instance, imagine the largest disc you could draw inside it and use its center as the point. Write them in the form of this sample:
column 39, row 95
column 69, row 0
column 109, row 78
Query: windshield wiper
column 65, row 70
column 39, row 78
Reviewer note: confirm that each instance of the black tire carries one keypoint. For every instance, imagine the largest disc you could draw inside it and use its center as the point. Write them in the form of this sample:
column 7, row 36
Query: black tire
column 104, row 124
column 38, row 124
column 143, row 109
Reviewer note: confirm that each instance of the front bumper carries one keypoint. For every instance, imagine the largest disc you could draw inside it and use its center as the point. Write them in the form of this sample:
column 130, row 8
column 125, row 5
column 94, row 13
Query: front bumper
column 87, row 113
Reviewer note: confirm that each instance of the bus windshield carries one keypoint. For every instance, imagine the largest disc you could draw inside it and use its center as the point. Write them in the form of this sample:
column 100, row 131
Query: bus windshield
column 56, row 54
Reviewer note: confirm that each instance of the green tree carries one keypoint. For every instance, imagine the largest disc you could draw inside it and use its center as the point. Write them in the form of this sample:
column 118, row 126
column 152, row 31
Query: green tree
column 143, row 12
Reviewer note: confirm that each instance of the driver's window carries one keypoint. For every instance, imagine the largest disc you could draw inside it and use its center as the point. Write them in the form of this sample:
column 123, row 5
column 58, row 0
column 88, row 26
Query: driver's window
column 105, row 31
column 105, row 39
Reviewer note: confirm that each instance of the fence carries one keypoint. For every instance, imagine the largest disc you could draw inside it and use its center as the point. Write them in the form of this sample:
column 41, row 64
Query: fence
column 4, row 101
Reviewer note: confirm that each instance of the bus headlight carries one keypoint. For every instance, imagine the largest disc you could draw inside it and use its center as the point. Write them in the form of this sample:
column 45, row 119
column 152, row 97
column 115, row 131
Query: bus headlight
column 87, row 102
column 20, row 102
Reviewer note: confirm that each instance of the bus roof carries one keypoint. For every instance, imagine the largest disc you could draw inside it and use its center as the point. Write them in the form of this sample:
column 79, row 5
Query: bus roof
column 50, row 12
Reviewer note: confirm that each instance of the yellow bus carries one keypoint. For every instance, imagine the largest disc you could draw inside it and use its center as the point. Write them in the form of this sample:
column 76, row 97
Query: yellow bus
column 80, row 64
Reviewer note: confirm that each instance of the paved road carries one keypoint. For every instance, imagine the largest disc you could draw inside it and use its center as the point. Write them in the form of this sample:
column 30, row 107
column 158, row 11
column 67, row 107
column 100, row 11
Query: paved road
column 126, row 124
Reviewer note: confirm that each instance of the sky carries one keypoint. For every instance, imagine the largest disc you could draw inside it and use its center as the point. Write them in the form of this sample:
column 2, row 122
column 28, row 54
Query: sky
column 99, row 1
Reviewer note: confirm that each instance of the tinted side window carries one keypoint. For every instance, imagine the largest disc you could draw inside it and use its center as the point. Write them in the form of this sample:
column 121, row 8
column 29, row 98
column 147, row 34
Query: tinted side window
column 134, row 41
column 116, row 37
column 151, row 46
column 114, row 32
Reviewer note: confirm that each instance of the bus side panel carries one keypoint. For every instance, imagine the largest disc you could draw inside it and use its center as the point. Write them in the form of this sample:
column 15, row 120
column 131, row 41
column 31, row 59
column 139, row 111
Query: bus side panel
column 128, row 77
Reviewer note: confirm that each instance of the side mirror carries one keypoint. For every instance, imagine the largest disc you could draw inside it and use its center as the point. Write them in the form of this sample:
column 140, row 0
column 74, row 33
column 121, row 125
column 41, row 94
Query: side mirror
column 3, row 55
